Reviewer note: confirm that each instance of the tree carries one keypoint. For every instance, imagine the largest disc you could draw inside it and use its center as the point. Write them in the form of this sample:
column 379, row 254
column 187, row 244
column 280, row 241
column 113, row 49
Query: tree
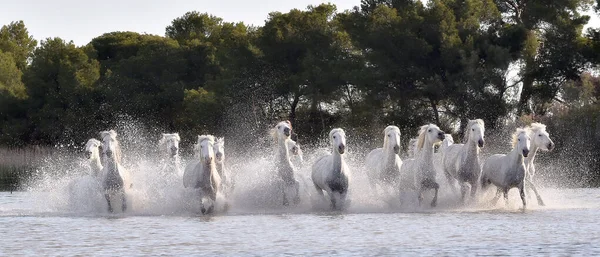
column 15, row 40
column 60, row 82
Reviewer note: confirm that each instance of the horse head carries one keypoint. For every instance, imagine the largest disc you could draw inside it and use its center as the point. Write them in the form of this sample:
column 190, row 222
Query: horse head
column 430, row 133
column 92, row 149
column 282, row 131
column 391, row 139
column 206, row 148
column 474, row 132
column 338, row 140
column 540, row 138
column 521, row 141
column 110, row 145
column 219, row 149
column 171, row 144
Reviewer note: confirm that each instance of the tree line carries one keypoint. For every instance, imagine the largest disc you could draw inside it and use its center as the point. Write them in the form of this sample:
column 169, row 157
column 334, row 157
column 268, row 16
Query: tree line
column 400, row 62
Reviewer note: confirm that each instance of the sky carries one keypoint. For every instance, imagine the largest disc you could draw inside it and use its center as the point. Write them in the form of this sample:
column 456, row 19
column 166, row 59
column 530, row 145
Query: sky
column 81, row 20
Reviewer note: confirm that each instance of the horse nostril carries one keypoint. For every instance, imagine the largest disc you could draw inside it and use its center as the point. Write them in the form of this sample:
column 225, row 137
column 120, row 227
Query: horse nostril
column 396, row 148
column 286, row 131
column 219, row 155
column 525, row 152
column 480, row 142
column 550, row 146
column 342, row 148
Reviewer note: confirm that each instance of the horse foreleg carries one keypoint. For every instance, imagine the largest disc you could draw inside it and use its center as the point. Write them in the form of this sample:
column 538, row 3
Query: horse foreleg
column 463, row 192
column 497, row 197
column 284, row 194
column 107, row 196
column 451, row 182
column 505, row 196
column 537, row 195
column 296, row 199
column 522, row 193
column 123, row 200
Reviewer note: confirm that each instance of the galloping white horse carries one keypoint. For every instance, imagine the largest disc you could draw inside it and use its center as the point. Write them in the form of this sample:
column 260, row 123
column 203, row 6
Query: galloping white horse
column 420, row 169
column 330, row 173
column 226, row 180
column 170, row 145
column 294, row 149
column 461, row 161
column 93, row 152
column 506, row 171
column 285, row 169
column 113, row 181
column 383, row 164
column 202, row 174
column 540, row 139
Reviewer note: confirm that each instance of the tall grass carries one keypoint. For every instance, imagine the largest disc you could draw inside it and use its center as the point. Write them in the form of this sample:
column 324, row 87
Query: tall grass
column 17, row 164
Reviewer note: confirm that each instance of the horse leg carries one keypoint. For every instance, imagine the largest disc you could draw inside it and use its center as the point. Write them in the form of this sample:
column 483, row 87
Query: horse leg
column 505, row 196
column 435, row 187
column 451, row 182
column 495, row 200
column 296, row 199
column 107, row 196
column 333, row 197
column 284, row 194
column 463, row 192
column 123, row 201
column 522, row 193
column 537, row 195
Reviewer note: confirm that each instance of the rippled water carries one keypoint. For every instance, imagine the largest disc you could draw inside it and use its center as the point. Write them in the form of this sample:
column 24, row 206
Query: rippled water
column 30, row 224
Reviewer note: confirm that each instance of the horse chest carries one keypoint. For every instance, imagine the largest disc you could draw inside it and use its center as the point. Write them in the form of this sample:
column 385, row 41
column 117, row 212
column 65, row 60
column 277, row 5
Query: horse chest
column 113, row 181
column 338, row 184
column 515, row 177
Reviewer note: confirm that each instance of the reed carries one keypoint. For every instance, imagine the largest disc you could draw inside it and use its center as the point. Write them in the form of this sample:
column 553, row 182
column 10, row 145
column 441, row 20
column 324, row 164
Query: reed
column 17, row 164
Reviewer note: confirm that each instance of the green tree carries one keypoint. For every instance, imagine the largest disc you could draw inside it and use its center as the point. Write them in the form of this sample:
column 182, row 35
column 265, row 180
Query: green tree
column 15, row 40
column 60, row 82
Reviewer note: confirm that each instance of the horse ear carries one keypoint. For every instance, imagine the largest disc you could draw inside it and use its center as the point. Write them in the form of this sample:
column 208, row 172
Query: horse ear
column 289, row 123
column 113, row 133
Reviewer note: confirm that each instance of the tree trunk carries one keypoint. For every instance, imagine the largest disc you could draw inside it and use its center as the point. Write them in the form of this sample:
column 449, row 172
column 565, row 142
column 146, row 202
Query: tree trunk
column 436, row 113
column 293, row 107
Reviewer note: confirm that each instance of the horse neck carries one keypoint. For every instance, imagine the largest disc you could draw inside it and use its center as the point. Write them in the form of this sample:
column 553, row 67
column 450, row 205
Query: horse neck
column 531, row 156
column 207, row 171
column 95, row 163
column 283, row 154
column 471, row 148
column 517, row 156
column 112, row 164
column 426, row 153
column 337, row 163
column 390, row 156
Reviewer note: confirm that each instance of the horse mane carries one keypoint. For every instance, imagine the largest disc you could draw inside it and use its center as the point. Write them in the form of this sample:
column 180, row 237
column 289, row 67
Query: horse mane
column 537, row 127
column 93, row 141
column 468, row 128
column 219, row 140
column 166, row 137
column 210, row 138
column 113, row 134
column 385, row 131
column 422, row 133
column 336, row 130
column 515, row 135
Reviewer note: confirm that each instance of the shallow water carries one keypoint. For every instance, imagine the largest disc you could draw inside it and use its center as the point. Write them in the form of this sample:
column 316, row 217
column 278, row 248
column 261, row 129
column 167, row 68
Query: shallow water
column 31, row 224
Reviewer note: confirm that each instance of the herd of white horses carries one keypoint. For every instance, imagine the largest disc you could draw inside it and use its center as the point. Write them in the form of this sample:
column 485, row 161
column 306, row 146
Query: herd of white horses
column 387, row 172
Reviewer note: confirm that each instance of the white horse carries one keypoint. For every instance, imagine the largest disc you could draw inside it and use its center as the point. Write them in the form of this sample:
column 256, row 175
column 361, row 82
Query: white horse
column 438, row 157
column 291, row 188
column 113, row 174
column 419, row 173
column 540, row 139
column 227, row 183
column 330, row 173
column 294, row 149
column 383, row 164
column 93, row 155
column 202, row 174
column 461, row 161
column 170, row 147
column 506, row 171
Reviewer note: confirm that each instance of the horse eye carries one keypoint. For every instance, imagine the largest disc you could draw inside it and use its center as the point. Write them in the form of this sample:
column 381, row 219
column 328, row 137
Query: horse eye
column 389, row 135
column 429, row 130
column 519, row 139
column 333, row 137
column 540, row 135
column 472, row 129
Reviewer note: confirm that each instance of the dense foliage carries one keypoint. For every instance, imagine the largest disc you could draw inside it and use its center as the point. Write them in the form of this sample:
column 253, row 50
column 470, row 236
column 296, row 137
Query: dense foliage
column 386, row 61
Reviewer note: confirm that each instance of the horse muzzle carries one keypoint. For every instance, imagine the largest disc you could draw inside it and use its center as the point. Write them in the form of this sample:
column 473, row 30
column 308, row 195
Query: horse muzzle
column 550, row 146
column 219, row 157
column 341, row 149
column 525, row 152
column 396, row 149
column 286, row 132
column 480, row 143
column 441, row 135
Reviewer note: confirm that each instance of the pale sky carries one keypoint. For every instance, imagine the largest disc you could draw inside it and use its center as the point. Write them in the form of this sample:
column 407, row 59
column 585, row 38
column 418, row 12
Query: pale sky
column 81, row 20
